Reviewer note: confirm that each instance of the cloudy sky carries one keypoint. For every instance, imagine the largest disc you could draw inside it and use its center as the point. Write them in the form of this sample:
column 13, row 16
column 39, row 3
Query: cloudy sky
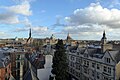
column 83, row 19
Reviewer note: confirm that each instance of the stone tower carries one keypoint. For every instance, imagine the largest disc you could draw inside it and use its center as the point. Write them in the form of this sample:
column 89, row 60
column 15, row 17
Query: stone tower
column 104, row 39
column 103, row 43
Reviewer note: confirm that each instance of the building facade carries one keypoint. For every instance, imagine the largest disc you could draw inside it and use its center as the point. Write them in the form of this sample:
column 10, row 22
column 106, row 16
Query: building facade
column 94, row 63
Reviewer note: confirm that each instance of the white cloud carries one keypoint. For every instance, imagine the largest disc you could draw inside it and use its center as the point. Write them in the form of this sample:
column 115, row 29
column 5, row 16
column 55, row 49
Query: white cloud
column 4, row 34
column 20, row 29
column 8, row 18
column 89, row 22
column 39, row 29
column 95, row 13
column 12, row 14
column 26, row 22
column 23, row 9
column 35, row 29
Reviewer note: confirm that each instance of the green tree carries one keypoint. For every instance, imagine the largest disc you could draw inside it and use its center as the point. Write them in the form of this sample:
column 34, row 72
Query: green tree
column 60, row 65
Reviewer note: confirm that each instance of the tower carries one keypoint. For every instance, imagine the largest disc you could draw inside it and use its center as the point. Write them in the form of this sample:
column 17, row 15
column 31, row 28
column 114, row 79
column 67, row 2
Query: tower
column 104, row 39
column 29, row 38
column 30, row 33
column 52, row 39
column 69, row 39
column 103, row 43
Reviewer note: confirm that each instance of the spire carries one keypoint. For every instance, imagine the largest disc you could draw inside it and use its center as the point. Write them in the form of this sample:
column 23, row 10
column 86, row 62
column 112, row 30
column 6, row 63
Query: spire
column 52, row 37
column 104, row 39
column 104, row 35
column 68, row 37
column 30, row 33
column 104, row 46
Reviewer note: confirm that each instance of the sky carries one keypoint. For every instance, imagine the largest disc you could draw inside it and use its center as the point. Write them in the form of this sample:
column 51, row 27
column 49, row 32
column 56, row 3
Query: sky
column 82, row 19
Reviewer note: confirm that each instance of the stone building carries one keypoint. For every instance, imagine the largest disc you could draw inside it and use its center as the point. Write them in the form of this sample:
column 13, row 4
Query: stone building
column 94, row 63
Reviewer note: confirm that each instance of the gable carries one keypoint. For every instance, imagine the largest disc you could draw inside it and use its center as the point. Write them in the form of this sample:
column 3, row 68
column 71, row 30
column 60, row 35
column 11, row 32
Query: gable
column 107, row 58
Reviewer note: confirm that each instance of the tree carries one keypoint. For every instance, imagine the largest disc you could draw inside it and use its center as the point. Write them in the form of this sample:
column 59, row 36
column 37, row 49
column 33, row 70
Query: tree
column 60, row 65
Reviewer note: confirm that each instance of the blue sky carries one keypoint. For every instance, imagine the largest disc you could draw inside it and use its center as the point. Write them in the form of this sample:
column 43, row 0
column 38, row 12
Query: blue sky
column 83, row 19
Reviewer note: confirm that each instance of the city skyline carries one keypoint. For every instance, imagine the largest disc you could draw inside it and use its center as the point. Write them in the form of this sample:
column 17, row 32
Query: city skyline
column 83, row 19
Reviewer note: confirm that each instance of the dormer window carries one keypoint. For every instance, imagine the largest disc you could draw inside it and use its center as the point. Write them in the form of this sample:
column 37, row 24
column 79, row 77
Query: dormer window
column 107, row 60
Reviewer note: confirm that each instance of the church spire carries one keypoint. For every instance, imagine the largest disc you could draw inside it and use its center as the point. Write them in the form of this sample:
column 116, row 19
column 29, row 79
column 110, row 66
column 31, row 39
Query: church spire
column 104, row 39
column 68, row 37
column 104, row 35
column 104, row 43
column 30, row 33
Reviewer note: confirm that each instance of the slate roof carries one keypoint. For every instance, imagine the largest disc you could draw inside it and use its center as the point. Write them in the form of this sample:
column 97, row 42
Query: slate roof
column 115, row 54
column 96, row 52
column 4, row 59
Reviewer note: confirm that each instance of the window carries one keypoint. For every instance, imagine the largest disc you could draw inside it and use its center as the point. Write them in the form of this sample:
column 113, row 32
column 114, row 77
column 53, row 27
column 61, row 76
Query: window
column 107, row 60
column 93, row 73
column 18, row 57
column 98, row 66
column 86, row 70
column 77, row 60
column 77, row 74
column 98, row 76
column 105, row 78
column 109, row 70
column 78, row 66
column 84, row 62
column 93, row 65
column 87, row 63
column 18, row 65
column 105, row 69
